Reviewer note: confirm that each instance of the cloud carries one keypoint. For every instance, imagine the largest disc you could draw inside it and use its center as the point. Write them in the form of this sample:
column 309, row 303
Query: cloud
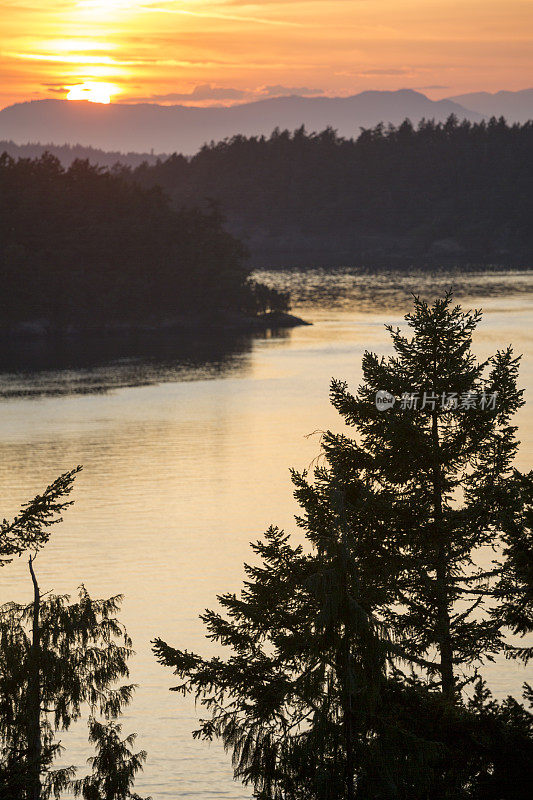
column 371, row 72
column 204, row 91
column 285, row 91
column 56, row 88
column 434, row 86
column 285, row 2
column 162, row 9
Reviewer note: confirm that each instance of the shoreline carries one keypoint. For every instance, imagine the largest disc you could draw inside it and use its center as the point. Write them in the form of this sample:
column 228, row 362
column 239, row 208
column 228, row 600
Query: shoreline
column 226, row 322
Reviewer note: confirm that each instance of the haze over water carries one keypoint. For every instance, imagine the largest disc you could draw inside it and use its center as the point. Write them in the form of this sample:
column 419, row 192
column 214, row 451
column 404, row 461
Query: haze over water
column 186, row 448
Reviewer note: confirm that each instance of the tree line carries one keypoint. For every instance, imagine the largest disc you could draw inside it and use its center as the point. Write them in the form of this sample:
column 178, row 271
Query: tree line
column 352, row 662
column 67, row 153
column 440, row 193
column 83, row 246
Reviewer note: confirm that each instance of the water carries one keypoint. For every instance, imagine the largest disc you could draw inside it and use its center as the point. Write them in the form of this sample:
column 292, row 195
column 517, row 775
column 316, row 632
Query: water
column 186, row 447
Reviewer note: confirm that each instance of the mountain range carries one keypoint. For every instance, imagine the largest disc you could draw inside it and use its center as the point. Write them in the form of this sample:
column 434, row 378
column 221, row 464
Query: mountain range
column 178, row 128
column 514, row 106
column 153, row 128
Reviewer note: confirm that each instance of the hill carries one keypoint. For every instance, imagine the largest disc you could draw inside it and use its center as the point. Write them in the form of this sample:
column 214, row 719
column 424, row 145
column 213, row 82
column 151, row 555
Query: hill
column 441, row 193
column 83, row 248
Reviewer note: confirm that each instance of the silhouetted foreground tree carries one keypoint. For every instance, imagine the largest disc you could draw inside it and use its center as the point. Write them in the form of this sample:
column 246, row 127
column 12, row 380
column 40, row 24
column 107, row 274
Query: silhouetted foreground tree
column 31, row 527
column 353, row 670
column 57, row 656
column 114, row 766
column 449, row 433
column 85, row 247
column 454, row 193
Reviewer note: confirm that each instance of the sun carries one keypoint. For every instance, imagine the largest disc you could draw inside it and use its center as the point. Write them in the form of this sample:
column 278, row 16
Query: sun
column 93, row 92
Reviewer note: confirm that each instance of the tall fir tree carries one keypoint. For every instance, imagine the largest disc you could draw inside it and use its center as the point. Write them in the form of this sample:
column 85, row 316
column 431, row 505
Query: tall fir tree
column 349, row 654
column 444, row 453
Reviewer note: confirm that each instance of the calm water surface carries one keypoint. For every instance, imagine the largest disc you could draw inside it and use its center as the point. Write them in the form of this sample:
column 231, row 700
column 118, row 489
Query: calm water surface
column 186, row 447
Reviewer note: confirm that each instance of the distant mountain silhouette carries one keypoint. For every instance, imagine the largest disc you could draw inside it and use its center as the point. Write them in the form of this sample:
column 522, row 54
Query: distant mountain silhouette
column 514, row 106
column 145, row 127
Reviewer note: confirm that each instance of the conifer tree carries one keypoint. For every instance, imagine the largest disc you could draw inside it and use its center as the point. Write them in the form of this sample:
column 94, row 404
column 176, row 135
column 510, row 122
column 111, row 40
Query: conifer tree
column 114, row 766
column 30, row 529
column 444, row 452
column 56, row 657
column 349, row 653
column 296, row 700
column 82, row 651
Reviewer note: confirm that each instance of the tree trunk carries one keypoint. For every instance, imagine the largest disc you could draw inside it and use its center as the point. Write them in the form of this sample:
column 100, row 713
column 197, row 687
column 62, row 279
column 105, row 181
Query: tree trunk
column 34, row 697
column 346, row 661
column 348, row 726
column 443, row 612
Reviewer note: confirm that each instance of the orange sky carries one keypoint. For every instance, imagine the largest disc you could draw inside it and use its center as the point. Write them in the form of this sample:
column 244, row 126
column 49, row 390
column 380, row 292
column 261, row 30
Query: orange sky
column 205, row 51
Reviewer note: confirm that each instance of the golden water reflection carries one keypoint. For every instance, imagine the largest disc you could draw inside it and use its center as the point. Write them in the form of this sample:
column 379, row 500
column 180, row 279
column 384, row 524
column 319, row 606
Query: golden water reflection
column 186, row 450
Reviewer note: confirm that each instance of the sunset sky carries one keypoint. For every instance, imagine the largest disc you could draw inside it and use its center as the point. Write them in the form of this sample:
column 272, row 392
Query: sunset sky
column 203, row 51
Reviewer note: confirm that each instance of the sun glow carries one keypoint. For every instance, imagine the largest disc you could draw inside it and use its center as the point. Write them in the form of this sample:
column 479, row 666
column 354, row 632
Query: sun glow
column 93, row 92
column 165, row 48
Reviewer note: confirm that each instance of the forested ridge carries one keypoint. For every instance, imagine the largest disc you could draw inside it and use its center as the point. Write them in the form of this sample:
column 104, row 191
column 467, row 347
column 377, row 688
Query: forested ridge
column 87, row 244
column 83, row 246
column 441, row 193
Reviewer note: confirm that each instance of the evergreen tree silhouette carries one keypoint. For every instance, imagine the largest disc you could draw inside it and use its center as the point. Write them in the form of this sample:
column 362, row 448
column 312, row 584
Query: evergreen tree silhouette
column 352, row 655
